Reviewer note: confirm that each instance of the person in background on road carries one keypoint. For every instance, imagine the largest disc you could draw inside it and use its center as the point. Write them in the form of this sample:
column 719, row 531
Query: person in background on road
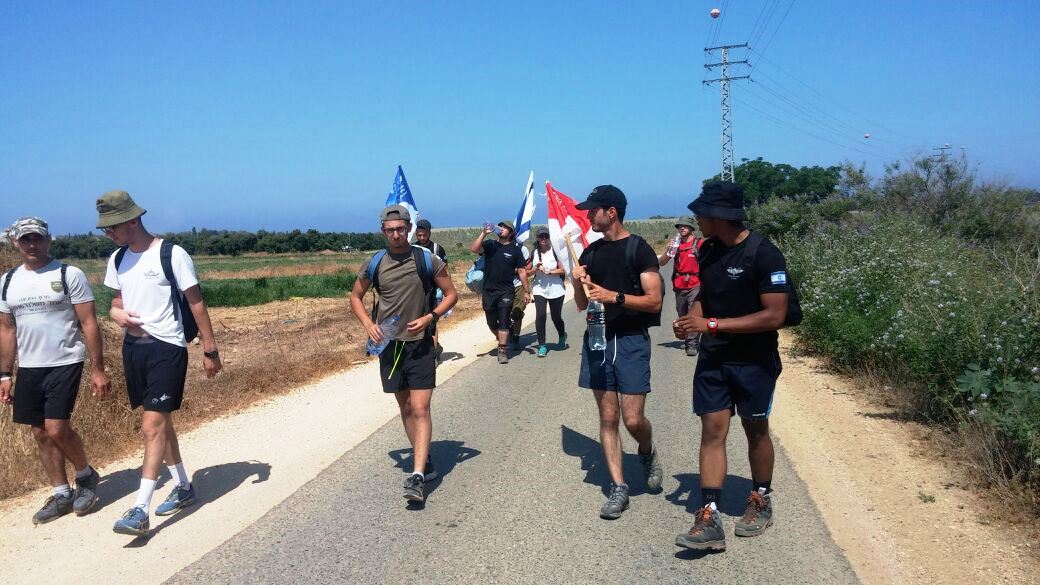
column 548, row 289
column 741, row 305
column 686, row 281
column 155, row 352
column 504, row 260
column 619, row 376
column 423, row 229
column 407, row 366
column 47, row 315
column 521, row 298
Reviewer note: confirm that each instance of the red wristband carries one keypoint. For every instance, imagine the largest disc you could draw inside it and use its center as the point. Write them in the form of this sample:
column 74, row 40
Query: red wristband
column 713, row 326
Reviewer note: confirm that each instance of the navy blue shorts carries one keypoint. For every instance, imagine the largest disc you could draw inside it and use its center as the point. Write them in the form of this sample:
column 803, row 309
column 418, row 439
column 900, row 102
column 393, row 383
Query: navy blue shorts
column 624, row 366
column 42, row 393
column 155, row 373
column 744, row 388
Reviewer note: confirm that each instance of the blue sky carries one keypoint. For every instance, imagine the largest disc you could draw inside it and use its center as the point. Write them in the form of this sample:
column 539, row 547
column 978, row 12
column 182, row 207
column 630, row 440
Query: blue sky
column 253, row 115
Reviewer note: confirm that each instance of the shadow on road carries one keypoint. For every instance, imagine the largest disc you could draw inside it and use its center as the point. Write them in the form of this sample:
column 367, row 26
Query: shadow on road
column 450, row 356
column 735, row 491
column 211, row 484
column 590, row 453
column 445, row 456
column 673, row 344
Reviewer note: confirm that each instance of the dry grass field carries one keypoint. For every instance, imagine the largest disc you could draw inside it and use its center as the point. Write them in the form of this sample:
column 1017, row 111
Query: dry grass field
column 268, row 350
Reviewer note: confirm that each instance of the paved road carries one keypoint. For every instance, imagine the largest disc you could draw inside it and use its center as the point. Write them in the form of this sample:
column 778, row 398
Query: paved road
column 523, row 480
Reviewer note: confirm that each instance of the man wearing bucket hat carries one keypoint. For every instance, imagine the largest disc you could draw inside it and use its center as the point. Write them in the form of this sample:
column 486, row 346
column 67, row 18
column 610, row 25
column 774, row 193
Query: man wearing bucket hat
column 47, row 318
column 621, row 271
column 159, row 305
column 742, row 303
column 686, row 281
column 504, row 261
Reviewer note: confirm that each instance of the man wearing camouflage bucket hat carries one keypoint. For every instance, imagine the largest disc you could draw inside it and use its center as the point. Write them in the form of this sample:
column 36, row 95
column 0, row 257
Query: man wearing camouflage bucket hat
column 160, row 307
column 47, row 318
column 686, row 281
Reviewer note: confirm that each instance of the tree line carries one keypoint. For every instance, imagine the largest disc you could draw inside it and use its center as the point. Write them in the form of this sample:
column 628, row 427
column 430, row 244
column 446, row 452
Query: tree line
column 227, row 243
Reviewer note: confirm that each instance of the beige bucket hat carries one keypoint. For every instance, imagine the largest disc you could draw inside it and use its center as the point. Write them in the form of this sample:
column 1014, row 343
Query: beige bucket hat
column 116, row 207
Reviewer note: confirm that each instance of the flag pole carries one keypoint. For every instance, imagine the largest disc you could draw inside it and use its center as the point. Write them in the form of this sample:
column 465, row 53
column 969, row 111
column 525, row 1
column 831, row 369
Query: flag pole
column 574, row 259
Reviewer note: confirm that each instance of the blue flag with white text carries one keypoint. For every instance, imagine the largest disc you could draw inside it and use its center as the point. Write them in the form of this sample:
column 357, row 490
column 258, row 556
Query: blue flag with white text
column 400, row 194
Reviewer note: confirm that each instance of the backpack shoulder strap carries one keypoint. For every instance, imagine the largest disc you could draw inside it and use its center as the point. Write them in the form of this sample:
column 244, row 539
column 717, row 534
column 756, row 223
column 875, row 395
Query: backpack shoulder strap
column 7, row 282
column 424, row 266
column 630, row 260
column 373, row 268
column 166, row 260
column 64, row 280
column 119, row 255
column 754, row 241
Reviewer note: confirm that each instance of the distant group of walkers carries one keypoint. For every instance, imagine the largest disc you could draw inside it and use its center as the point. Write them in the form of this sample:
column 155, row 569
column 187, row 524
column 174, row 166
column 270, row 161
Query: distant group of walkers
column 732, row 295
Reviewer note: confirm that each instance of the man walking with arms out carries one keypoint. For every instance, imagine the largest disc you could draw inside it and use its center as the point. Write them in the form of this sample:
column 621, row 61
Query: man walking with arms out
column 686, row 281
column 47, row 313
column 158, row 303
column 504, row 261
column 742, row 303
column 404, row 275
column 622, row 272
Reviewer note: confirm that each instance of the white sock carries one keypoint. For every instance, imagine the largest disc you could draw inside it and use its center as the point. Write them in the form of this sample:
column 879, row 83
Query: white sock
column 178, row 473
column 420, row 474
column 712, row 506
column 63, row 490
column 82, row 473
column 144, row 494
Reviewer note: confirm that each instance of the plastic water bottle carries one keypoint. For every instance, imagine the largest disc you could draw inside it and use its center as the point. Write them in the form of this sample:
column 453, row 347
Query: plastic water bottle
column 597, row 323
column 673, row 246
column 492, row 228
column 389, row 327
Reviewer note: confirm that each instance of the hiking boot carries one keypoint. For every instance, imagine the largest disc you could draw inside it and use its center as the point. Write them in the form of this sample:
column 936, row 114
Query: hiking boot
column 55, row 507
column 706, row 533
column 415, row 488
column 543, row 350
column 691, row 346
column 181, row 497
column 652, row 470
column 85, row 496
column 563, row 341
column 617, row 502
column 503, row 357
column 134, row 522
column 757, row 516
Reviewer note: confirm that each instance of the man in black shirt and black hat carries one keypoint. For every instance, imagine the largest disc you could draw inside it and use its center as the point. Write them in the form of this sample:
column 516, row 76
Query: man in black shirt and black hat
column 741, row 305
column 622, row 272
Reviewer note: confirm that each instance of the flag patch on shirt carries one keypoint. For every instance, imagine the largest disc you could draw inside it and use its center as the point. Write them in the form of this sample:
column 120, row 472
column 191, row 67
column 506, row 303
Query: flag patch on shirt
column 778, row 278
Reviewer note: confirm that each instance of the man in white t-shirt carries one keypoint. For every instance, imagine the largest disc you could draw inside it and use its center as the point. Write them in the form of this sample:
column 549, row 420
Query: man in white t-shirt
column 46, row 317
column 158, row 303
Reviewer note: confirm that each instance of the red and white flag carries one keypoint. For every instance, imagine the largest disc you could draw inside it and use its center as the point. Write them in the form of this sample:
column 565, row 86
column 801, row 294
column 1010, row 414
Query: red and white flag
column 567, row 221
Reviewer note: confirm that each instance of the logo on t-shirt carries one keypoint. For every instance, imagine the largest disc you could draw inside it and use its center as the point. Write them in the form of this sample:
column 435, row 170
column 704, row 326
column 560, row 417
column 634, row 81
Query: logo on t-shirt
column 734, row 272
column 778, row 278
column 151, row 275
column 56, row 286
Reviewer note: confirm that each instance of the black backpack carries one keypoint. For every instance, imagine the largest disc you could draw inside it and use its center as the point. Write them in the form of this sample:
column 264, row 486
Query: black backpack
column 754, row 242
column 181, row 309
column 423, row 264
column 10, row 275
column 631, row 245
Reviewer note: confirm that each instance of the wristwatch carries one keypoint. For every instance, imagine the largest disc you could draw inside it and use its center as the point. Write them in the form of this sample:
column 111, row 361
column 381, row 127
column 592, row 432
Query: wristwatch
column 215, row 354
column 619, row 298
column 713, row 326
column 435, row 317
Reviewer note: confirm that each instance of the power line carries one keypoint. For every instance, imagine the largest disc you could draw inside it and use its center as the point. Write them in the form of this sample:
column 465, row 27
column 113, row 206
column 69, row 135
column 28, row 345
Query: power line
column 777, row 29
column 756, row 32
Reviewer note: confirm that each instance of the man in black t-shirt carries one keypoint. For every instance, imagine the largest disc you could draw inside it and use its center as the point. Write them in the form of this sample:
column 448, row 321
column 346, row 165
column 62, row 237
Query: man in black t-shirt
column 621, row 271
column 741, row 305
column 503, row 260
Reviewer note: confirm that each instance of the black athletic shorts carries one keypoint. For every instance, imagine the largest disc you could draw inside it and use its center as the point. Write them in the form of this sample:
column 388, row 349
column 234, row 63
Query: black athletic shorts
column 42, row 393
column 497, row 309
column 744, row 388
column 408, row 365
column 624, row 366
column 155, row 372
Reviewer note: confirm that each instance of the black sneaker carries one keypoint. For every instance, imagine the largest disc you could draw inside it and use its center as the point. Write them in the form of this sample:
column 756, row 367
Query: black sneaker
column 55, row 507
column 415, row 488
column 85, row 497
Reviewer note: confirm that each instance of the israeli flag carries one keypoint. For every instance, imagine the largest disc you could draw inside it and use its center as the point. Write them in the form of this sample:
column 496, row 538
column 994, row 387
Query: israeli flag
column 400, row 194
column 526, row 213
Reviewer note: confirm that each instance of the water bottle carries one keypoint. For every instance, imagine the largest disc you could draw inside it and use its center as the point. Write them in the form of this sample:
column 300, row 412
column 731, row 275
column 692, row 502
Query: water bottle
column 389, row 327
column 493, row 228
column 673, row 247
column 597, row 323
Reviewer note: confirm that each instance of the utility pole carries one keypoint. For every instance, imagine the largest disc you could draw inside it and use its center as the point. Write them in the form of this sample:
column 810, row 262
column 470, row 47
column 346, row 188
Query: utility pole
column 727, row 120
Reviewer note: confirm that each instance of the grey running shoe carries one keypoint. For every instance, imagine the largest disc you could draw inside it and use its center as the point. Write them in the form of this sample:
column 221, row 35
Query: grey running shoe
column 415, row 488
column 757, row 516
column 652, row 470
column 86, row 493
column 180, row 497
column 134, row 522
column 55, row 507
column 617, row 502
column 691, row 346
column 706, row 533
column 503, row 357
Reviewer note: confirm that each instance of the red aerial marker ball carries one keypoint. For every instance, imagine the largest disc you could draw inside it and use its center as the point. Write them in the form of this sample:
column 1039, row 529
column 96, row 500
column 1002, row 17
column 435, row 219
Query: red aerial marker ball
column 715, row 12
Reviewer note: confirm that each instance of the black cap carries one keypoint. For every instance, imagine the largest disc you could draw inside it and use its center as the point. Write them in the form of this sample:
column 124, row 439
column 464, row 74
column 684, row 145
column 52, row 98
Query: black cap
column 604, row 196
column 424, row 224
column 541, row 231
column 720, row 200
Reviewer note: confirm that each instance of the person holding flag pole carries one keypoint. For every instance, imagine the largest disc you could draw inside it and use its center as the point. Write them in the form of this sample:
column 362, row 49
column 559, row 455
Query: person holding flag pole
column 522, row 291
